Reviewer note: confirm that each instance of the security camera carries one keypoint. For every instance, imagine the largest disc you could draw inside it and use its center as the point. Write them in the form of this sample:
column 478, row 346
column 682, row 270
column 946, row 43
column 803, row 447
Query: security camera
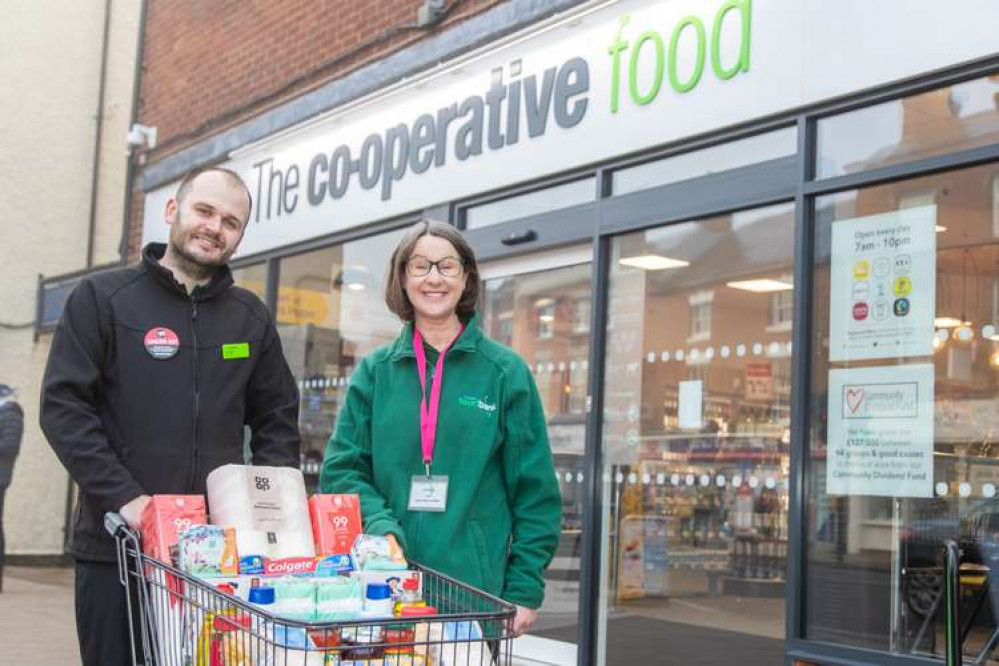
column 141, row 135
column 430, row 12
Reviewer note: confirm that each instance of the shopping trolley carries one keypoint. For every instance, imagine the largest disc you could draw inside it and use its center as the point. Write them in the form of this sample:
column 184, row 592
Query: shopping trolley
column 176, row 619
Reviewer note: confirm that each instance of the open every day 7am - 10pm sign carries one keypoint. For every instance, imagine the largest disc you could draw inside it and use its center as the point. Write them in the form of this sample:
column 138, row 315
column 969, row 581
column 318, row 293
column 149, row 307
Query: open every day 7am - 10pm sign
column 883, row 285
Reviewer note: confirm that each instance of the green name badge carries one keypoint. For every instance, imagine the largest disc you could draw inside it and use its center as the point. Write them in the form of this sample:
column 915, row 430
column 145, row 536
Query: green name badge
column 236, row 350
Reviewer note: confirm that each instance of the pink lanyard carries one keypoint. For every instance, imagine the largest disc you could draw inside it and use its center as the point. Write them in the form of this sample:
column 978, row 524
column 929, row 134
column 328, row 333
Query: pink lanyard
column 429, row 408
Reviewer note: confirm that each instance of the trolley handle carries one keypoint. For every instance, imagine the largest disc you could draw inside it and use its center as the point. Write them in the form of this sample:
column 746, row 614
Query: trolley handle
column 115, row 524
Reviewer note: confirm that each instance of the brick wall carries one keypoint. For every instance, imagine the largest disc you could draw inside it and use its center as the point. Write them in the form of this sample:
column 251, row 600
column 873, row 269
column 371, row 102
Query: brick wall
column 135, row 226
column 209, row 64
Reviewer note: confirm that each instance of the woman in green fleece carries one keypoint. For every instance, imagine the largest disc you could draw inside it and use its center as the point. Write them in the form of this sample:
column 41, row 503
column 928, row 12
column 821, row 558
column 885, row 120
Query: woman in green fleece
column 443, row 436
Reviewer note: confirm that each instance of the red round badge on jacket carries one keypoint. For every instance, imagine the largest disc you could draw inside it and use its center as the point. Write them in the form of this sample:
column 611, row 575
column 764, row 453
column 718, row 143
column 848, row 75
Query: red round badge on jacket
column 161, row 343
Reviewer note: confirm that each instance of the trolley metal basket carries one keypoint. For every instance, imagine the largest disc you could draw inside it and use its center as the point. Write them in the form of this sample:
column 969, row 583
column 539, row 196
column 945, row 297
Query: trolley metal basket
column 180, row 620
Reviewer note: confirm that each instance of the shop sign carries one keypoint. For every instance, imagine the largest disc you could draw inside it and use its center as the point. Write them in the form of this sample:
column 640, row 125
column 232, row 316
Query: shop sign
column 880, row 431
column 599, row 82
column 882, row 285
column 759, row 381
column 294, row 304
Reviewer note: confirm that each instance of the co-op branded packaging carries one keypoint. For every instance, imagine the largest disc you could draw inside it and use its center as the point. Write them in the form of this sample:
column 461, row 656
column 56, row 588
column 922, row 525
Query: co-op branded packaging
column 164, row 518
column 336, row 522
column 266, row 505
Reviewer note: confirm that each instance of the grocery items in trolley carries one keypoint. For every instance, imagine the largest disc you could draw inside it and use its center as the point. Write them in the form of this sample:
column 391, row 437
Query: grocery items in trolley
column 263, row 576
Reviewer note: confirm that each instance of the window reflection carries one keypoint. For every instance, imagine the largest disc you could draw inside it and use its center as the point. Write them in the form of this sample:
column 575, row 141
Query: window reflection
column 544, row 316
column 962, row 116
column 331, row 313
column 252, row 278
column 879, row 556
column 696, row 434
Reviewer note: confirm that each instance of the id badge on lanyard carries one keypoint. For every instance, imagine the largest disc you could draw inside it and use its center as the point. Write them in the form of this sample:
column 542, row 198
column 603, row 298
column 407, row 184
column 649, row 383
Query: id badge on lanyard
column 429, row 492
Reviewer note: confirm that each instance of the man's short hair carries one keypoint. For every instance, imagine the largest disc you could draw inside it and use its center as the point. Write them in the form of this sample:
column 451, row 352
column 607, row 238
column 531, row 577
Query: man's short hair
column 234, row 179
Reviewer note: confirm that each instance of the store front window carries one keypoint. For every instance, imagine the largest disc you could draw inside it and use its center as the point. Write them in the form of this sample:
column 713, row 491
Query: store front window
column 252, row 278
column 904, row 422
column 531, row 203
column 331, row 313
column 964, row 115
column 696, row 441
column 544, row 316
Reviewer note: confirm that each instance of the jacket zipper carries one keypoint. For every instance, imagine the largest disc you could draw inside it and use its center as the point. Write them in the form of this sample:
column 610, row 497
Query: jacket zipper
column 197, row 397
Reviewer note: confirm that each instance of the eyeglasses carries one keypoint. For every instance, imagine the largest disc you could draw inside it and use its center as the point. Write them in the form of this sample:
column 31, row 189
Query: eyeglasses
column 449, row 267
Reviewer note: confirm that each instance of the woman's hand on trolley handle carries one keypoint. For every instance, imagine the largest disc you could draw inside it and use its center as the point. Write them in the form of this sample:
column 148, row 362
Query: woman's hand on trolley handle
column 523, row 620
column 394, row 544
column 132, row 512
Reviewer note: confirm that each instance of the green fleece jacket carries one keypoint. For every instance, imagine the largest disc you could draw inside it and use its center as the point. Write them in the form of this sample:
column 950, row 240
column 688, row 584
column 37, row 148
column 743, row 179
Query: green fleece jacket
column 503, row 517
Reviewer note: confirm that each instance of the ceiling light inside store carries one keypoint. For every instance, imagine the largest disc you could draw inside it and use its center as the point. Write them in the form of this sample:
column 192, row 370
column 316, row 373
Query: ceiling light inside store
column 761, row 286
column 941, row 228
column 949, row 322
column 653, row 262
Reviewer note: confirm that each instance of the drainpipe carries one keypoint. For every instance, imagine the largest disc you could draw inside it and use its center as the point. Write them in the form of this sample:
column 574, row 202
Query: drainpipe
column 95, row 174
column 130, row 168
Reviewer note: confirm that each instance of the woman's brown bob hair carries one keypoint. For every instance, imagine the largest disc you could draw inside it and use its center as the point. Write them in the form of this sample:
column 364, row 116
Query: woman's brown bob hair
column 395, row 284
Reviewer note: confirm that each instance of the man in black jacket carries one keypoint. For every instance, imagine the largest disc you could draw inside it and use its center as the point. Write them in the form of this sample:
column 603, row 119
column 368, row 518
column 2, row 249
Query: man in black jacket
column 11, row 428
column 154, row 371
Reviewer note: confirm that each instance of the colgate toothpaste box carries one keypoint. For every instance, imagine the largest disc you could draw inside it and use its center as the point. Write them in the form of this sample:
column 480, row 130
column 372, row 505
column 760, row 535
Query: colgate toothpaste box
column 336, row 522
column 165, row 517
column 327, row 565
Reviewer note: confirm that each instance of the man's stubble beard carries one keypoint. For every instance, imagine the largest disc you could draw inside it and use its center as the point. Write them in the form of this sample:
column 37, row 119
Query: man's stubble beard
column 192, row 265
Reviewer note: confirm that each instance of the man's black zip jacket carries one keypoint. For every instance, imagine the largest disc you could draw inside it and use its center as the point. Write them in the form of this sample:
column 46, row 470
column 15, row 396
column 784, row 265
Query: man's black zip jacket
column 125, row 423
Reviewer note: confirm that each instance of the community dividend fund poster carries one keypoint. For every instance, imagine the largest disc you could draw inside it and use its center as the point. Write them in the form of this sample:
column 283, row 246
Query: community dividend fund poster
column 880, row 434
column 883, row 285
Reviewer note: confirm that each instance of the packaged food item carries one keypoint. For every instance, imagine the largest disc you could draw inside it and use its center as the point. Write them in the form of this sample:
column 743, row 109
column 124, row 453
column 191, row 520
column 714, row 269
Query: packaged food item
column 338, row 599
column 336, row 522
column 223, row 640
column 378, row 599
column 208, row 550
column 422, row 631
column 399, row 639
column 295, row 598
column 267, row 506
column 410, row 596
column 377, row 553
column 457, row 644
column 362, row 641
column 394, row 579
column 164, row 518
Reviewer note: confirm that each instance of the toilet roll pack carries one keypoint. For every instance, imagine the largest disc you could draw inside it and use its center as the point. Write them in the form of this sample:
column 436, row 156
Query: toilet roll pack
column 268, row 508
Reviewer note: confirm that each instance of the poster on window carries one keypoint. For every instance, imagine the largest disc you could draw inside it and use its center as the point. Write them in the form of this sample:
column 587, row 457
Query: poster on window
column 880, row 434
column 883, row 285
column 759, row 382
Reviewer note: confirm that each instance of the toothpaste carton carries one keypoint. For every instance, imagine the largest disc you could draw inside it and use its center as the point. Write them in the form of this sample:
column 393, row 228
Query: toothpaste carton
column 328, row 565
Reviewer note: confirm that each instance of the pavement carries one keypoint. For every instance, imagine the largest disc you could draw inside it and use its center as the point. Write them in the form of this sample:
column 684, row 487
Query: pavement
column 37, row 624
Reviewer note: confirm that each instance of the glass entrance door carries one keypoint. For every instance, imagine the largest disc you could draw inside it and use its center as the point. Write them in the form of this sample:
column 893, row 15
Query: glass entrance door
column 540, row 306
column 696, row 441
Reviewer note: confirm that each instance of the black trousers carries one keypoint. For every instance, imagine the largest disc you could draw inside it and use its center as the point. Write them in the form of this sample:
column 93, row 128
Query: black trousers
column 102, row 616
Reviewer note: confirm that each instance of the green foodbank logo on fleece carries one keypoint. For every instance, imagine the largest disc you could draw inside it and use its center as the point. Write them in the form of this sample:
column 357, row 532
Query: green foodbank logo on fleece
column 478, row 403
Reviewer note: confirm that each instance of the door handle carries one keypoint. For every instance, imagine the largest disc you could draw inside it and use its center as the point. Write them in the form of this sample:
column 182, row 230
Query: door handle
column 520, row 237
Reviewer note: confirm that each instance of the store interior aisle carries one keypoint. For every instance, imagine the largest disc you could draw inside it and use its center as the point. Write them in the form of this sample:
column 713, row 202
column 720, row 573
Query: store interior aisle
column 37, row 627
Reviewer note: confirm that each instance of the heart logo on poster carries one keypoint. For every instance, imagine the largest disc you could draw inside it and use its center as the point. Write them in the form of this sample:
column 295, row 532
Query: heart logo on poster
column 854, row 398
